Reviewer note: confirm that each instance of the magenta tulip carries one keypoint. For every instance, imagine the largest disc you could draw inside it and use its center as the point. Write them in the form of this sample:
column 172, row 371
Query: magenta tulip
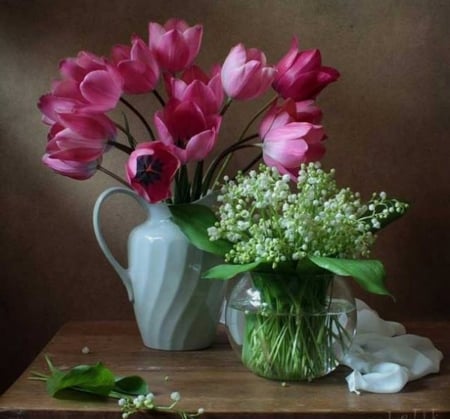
column 189, row 132
column 73, row 169
column 290, row 111
column 245, row 74
column 175, row 45
column 137, row 66
column 196, row 86
column 150, row 170
column 80, row 137
column 300, row 74
column 93, row 83
column 287, row 147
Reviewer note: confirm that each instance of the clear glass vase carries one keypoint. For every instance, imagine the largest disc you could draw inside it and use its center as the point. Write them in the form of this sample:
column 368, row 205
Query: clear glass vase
column 289, row 327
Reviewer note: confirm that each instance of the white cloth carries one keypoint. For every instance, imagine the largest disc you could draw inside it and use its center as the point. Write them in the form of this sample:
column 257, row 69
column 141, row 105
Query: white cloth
column 384, row 358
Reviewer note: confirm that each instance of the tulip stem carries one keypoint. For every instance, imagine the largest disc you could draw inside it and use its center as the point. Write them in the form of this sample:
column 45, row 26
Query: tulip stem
column 159, row 97
column 139, row 115
column 249, row 166
column 242, row 139
column 226, row 106
column 121, row 147
column 113, row 175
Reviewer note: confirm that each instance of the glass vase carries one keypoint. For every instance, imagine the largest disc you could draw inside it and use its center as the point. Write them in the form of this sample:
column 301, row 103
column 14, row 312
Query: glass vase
column 290, row 327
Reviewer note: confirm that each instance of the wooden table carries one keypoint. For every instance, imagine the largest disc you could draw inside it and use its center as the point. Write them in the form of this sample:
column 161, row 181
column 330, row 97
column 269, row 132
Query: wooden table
column 215, row 380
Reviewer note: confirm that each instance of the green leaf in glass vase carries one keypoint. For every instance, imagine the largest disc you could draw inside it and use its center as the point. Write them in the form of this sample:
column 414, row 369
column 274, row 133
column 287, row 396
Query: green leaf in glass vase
column 228, row 271
column 194, row 221
column 369, row 273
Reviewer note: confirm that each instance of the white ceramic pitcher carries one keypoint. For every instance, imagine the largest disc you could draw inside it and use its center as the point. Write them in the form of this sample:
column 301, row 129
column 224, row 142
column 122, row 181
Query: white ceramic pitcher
column 175, row 309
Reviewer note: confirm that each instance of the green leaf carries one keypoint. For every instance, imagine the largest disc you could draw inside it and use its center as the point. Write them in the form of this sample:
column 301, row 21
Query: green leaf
column 368, row 273
column 194, row 221
column 95, row 379
column 227, row 271
column 132, row 385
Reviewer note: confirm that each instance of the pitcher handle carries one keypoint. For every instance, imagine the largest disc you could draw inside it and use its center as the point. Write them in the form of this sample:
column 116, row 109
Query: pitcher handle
column 123, row 273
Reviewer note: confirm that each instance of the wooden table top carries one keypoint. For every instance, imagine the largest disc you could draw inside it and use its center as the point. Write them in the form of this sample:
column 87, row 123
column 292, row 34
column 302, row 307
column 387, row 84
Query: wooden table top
column 215, row 380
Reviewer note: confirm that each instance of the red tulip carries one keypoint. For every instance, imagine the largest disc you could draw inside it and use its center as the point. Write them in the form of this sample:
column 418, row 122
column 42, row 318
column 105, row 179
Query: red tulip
column 150, row 170
column 287, row 146
column 196, row 86
column 175, row 45
column 137, row 66
column 300, row 74
column 189, row 132
column 245, row 74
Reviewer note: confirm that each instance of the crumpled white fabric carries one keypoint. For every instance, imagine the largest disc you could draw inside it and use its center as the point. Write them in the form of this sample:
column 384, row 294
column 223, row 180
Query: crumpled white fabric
column 384, row 357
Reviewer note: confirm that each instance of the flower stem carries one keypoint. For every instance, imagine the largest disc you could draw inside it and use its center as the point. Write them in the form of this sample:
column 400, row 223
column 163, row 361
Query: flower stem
column 113, row 175
column 159, row 97
column 121, row 147
column 228, row 154
column 226, row 106
column 242, row 139
column 139, row 115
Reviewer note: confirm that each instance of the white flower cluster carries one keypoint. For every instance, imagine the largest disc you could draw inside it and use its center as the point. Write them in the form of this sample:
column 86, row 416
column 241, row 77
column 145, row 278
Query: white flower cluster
column 268, row 222
column 147, row 403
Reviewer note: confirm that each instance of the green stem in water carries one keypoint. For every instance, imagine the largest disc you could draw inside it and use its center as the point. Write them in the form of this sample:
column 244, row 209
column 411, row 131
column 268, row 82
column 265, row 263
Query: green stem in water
column 139, row 115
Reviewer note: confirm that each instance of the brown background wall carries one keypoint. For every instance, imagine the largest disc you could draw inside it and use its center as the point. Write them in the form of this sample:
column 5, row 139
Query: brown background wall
column 387, row 121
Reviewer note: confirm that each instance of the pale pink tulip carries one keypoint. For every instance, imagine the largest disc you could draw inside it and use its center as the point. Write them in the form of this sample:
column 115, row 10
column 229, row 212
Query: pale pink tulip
column 189, row 132
column 196, row 86
column 175, row 45
column 245, row 74
column 137, row 66
column 290, row 111
column 150, row 170
column 287, row 147
column 300, row 74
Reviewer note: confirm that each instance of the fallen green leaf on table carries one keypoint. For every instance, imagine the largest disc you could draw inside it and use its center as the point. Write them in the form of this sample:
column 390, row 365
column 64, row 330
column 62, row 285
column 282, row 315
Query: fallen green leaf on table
column 132, row 391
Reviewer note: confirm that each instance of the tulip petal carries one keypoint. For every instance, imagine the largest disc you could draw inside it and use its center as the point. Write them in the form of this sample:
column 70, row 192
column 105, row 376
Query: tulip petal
column 101, row 89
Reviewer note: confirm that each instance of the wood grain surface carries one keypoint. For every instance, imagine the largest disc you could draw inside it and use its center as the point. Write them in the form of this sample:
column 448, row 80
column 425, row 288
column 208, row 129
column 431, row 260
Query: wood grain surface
column 215, row 380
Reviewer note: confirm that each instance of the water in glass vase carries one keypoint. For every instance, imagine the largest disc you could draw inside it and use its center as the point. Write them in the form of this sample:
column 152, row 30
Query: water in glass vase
column 291, row 328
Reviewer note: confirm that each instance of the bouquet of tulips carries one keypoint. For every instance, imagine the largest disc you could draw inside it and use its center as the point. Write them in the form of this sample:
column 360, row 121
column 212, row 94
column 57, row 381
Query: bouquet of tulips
column 185, row 131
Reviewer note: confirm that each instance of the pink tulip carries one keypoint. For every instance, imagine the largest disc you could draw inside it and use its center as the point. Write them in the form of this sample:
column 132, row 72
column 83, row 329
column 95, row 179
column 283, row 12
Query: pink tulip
column 189, row 132
column 175, row 45
column 150, row 170
column 196, row 86
column 137, row 66
column 300, row 74
column 80, row 137
column 286, row 147
column 91, row 81
column 290, row 111
column 245, row 74
column 73, row 169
